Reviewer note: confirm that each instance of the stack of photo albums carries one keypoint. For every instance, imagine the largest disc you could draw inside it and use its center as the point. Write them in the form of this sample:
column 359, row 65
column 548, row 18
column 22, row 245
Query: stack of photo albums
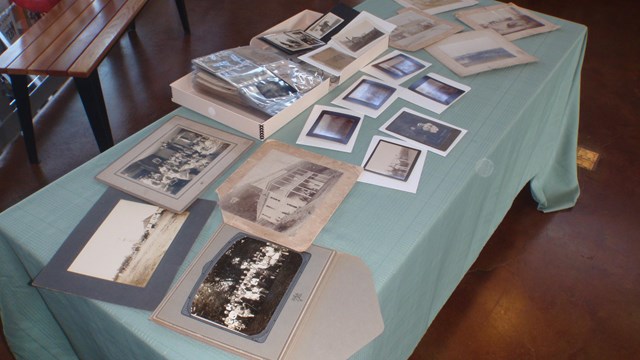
column 259, row 287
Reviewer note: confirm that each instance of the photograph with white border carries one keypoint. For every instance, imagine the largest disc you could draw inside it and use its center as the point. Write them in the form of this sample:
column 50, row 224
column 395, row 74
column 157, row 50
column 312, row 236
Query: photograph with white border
column 417, row 29
column 434, row 92
column 324, row 25
column 396, row 67
column 436, row 6
column 508, row 20
column 368, row 96
column 472, row 52
column 361, row 34
column 412, row 181
column 424, row 131
column 341, row 127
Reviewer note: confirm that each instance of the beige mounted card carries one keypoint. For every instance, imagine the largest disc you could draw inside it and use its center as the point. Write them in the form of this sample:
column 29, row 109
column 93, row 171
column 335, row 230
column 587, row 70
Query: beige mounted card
column 473, row 52
column 416, row 29
column 285, row 194
column 508, row 20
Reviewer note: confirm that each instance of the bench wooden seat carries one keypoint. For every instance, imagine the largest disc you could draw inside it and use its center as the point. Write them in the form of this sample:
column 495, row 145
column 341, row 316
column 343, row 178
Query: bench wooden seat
column 71, row 40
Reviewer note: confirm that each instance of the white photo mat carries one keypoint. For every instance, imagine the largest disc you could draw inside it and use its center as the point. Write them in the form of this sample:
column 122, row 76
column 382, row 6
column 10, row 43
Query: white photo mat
column 368, row 96
column 142, row 171
column 396, row 67
column 434, row 92
column 436, row 6
column 508, row 20
column 365, row 26
column 409, row 126
column 332, row 144
column 476, row 51
column 417, row 29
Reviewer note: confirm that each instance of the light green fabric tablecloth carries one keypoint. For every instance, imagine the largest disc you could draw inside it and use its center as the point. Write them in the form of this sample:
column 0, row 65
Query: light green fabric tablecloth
column 522, row 127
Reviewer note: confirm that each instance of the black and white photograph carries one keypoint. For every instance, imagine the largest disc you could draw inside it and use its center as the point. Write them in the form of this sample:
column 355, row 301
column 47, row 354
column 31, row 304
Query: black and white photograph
column 124, row 250
column 436, row 6
column 508, row 20
column 292, row 41
column 324, row 25
column 370, row 93
column 334, row 126
column 245, row 286
column 331, row 128
column 434, row 92
column 399, row 66
column 175, row 163
column 129, row 244
column 280, row 192
column 417, row 29
column 476, row 51
column 358, row 36
column 412, row 126
column 392, row 160
column 329, row 59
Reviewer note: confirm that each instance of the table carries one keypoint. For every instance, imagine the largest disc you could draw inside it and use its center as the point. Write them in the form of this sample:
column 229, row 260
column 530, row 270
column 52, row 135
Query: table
column 71, row 41
column 522, row 124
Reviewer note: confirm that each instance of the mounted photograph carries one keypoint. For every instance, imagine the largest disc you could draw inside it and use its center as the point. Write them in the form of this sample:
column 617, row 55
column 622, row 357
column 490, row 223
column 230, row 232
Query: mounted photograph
column 285, row 194
column 324, row 25
column 508, row 20
column 436, row 6
column 392, row 160
column 368, row 96
column 331, row 128
column 292, row 42
column 477, row 51
column 175, row 163
column 434, row 92
column 422, row 130
column 417, row 29
column 328, row 59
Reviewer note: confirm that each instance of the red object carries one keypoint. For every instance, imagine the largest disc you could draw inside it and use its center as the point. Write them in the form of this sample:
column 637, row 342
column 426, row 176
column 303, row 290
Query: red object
column 36, row 5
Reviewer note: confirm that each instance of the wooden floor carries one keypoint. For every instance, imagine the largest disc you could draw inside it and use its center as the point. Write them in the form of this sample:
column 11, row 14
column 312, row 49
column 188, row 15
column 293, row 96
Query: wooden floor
column 546, row 286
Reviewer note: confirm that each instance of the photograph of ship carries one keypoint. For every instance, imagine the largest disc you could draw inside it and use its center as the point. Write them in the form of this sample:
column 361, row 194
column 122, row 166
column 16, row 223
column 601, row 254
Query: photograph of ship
column 280, row 192
column 128, row 246
column 245, row 287
column 392, row 160
column 177, row 159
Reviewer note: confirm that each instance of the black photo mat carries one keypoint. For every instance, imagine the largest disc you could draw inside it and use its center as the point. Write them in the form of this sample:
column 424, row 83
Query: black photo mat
column 334, row 126
column 56, row 276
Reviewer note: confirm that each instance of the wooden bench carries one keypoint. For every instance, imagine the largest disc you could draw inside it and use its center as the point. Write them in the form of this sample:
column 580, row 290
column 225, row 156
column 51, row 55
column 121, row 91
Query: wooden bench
column 71, row 40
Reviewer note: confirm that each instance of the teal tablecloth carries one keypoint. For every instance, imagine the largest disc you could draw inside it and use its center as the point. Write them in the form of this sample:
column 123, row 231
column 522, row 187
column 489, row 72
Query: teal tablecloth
column 522, row 123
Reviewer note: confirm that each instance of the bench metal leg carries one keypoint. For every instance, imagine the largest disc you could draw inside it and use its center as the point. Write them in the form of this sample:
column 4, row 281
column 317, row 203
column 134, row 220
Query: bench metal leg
column 184, row 18
column 20, row 86
column 91, row 94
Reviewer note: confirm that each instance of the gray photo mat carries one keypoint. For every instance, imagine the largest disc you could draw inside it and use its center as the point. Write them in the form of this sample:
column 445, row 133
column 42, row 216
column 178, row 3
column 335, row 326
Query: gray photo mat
column 55, row 276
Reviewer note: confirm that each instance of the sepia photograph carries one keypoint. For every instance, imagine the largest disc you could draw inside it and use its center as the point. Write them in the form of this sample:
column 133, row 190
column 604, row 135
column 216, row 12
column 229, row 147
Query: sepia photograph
column 129, row 244
column 423, row 130
column 358, row 36
column 399, row 66
column 324, row 25
column 175, row 163
column 329, row 59
column 392, row 160
column 476, row 51
column 334, row 126
column 416, row 30
column 370, row 93
column 124, row 250
column 436, row 6
column 245, row 286
column 508, row 20
column 284, row 194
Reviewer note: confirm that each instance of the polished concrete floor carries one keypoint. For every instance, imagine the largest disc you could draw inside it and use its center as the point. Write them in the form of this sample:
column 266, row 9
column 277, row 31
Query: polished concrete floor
column 547, row 286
